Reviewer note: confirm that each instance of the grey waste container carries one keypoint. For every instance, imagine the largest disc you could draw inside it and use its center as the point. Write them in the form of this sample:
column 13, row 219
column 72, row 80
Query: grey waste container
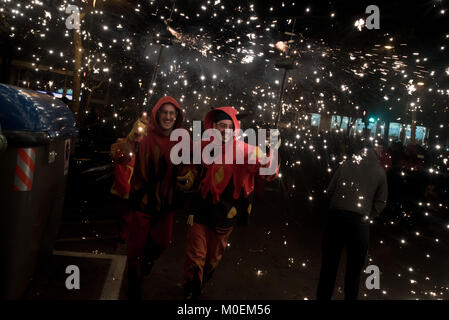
column 39, row 131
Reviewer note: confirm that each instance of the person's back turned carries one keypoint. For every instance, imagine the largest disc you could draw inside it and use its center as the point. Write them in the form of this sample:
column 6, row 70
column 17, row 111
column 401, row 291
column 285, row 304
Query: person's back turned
column 358, row 192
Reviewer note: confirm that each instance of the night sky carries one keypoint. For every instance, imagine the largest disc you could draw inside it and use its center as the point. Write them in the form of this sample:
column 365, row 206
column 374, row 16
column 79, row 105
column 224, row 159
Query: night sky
column 228, row 54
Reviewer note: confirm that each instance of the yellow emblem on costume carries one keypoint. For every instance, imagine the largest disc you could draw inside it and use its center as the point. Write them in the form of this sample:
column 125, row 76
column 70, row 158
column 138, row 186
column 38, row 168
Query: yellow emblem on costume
column 232, row 213
column 219, row 175
column 250, row 207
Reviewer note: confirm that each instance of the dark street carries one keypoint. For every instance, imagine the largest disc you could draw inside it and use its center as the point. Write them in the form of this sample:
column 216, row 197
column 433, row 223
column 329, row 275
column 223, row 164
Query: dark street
column 276, row 257
column 168, row 150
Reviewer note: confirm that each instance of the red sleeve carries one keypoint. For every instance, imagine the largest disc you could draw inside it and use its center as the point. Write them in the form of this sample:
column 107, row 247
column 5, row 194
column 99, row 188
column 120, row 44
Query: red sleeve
column 141, row 165
column 122, row 151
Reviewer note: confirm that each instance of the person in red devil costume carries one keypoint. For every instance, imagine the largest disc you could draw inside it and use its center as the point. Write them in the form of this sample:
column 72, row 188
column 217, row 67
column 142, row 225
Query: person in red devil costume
column 153, row 193
column 123, row 156
column 224, row 196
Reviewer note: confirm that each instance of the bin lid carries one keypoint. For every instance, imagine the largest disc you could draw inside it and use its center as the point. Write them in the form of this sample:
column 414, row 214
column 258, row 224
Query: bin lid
column 27, row 110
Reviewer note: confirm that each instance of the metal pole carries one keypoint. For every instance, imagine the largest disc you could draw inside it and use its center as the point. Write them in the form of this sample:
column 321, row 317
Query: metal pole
column 281, row 95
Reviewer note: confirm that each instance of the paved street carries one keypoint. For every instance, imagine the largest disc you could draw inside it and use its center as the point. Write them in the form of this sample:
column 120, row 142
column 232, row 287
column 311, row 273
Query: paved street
column 277, row 256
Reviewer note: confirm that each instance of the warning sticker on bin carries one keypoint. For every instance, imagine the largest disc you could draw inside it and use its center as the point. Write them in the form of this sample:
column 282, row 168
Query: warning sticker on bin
column 66, row 156
column 23, row 180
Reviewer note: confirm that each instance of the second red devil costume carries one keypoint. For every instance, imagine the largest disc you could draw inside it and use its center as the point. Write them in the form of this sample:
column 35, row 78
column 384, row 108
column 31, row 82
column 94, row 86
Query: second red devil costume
column 223, row 197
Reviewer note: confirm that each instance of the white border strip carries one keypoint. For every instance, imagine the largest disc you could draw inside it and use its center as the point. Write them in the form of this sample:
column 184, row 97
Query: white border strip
column 114, row 279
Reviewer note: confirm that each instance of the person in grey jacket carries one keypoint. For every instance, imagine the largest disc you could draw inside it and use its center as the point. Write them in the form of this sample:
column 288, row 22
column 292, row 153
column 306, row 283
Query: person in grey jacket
column 358, row 192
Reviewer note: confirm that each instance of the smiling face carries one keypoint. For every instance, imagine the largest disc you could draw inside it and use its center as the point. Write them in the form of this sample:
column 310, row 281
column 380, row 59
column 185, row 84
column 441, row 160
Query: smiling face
column 223, row 126
column 167, row 117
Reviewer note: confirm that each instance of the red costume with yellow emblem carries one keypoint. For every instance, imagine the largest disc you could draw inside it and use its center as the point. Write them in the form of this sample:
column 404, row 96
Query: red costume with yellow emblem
column 122, row 154
column 152, row 197
column 224, row 196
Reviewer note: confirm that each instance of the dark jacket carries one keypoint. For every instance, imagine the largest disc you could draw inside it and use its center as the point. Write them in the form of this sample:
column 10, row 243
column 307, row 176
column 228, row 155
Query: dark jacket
column 359, row 185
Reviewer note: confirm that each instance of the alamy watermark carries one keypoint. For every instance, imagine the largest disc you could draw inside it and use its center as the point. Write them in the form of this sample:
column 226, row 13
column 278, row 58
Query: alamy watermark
column 373, row 20
column 220, row 148
column 73, row 21
column 373, row 280
column 73, row 280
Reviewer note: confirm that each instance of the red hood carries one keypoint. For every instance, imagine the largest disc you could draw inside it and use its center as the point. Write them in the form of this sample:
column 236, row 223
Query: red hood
column 167, row 99
column 230, row 111
column 218, row 176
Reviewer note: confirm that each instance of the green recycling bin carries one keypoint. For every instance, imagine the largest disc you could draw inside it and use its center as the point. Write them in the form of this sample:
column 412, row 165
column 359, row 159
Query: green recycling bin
column 38, row 131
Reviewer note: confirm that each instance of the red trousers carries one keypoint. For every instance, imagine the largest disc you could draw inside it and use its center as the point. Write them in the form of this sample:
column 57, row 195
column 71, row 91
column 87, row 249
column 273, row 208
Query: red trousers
column 142, row 230
column 124, row 216
column 204, row 249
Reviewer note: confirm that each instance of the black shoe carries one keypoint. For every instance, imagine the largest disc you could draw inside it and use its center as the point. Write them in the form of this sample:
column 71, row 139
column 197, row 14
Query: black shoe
column 134, row 286
column 152, row 253
column 191, row 292
column 188, row 291
column 134, row 292
column 192, row 289
column 207, row 276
